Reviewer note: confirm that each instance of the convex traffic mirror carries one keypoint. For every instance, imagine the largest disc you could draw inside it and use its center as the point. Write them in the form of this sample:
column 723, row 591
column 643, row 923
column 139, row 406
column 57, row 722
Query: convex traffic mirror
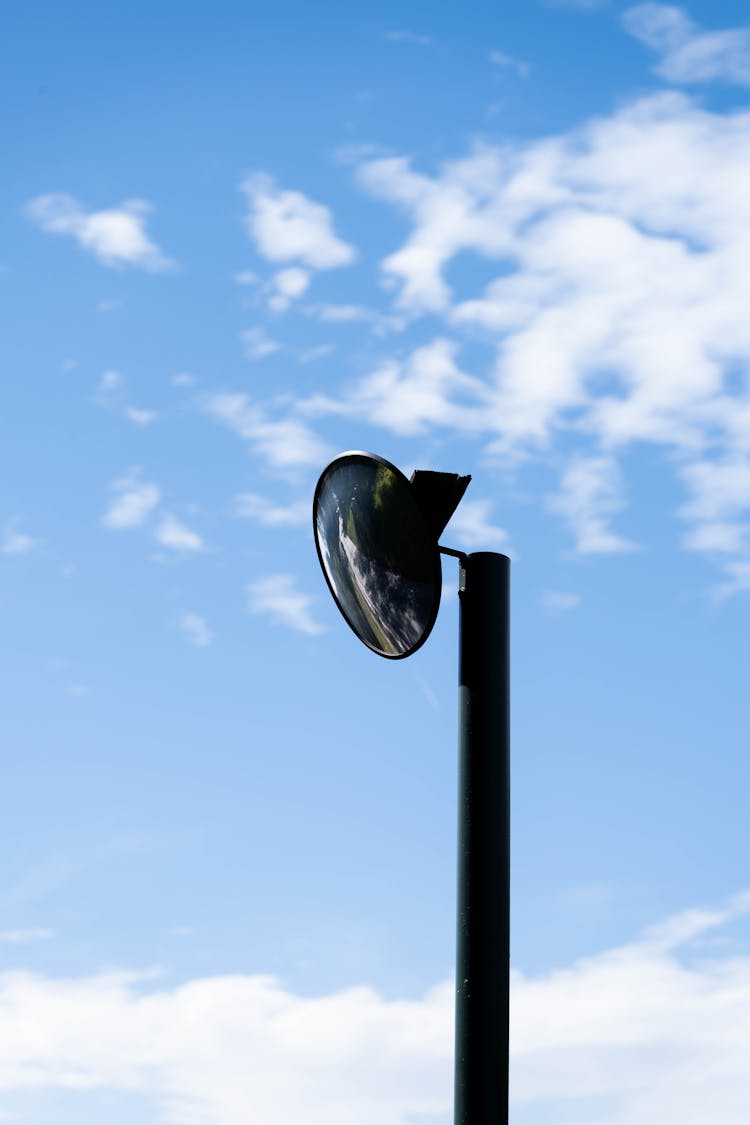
column 377, row 539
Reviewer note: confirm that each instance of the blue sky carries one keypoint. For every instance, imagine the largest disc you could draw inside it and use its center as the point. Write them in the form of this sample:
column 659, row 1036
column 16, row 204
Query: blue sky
column 504, row 240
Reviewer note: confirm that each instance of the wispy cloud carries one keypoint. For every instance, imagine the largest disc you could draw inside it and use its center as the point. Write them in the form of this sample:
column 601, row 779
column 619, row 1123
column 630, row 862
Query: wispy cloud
column 472, row 526
column 720, row 499
column 116, row 237
column 618, row 315
column 649, row 1032
column 78, row 691
column 27, row 936
column 249, row 505
column 410, row 395
column 444, row 225
column 287, row 226
column 183, row 379
column 316, row 352
column 560, row 601
column 277, row 597
column 687, row 53
column 134, row 500
column 14, row 542
column 109, row 389
column 246, row 277
column 108, row 305
column 509, row 62
column 176, row 536
column 411, row 38
column 590, row 493
column 342, row 314
column 284, row 442
column 580, row 5
column 257, row 343
column 381, row 323
column 139, row 416
column 196, row 629
column 736, row 579
column 110, row 394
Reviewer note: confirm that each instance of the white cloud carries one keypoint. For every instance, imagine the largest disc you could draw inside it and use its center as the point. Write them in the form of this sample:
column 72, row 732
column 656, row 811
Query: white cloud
column 381, row 323
column 343, row 314
column 446, row 221
column 196, row 629
column 277, row 597
column 246, row 277
column 110, row 395
column 78, row 691
column 720, row 498
column 16, row 542
column 618, row 314
column 649, row 1032
column 176, row 536
column 471, row 524
column 140, row 417
column 721, row 489
column 559, row 601
column 688, row 54
column 428, row 389
column 248, row 505
column 232, row 1049
column 626, row 242
column 117, row 237
column 590, row 493
column 183, row 379
column 409, row 37
column 24, row 937
column 109, row 381
column 578, row 5
column 717, row 538
column 653, row 1036
column 317, row 351
column 134, row 501
column 509, row 62
column 288, row 285
column 181, row 931
column 287, row 226
column 410, row 395
column 109, row 389
column 737, row 579
column 257, row 344
column 284, row 442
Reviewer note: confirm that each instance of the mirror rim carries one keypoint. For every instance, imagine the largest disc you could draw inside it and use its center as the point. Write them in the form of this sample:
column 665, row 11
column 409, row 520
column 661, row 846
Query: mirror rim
column 355, row 456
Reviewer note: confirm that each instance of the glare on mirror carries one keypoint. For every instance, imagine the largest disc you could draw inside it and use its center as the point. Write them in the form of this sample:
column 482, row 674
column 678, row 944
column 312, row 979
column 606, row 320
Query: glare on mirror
column 381, row 562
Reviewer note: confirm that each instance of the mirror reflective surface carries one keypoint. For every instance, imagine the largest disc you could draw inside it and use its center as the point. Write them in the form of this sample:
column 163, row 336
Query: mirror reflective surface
column 381, row 562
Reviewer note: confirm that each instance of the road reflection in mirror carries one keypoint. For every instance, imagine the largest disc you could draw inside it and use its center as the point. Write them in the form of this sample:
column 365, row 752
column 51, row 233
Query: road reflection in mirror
column 381, row 563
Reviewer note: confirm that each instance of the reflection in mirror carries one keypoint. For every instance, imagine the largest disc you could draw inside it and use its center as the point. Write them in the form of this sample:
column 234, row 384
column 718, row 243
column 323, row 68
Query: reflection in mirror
column 381, row 562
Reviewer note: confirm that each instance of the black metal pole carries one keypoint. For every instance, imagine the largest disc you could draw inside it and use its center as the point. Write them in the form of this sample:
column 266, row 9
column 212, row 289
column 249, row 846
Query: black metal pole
column 483, row 940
